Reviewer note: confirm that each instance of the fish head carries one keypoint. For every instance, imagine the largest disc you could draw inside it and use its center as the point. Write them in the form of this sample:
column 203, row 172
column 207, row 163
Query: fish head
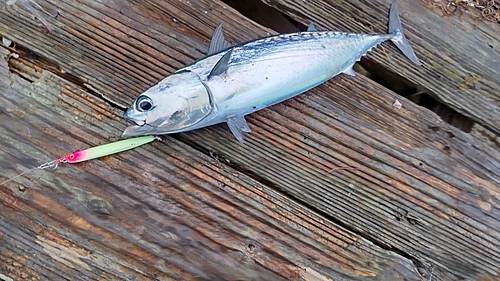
column 176, row 104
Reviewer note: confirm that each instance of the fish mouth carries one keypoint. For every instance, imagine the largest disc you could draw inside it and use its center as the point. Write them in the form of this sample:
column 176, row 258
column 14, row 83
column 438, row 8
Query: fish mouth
column 138, row 130
column 130, row 119
column 139, row 123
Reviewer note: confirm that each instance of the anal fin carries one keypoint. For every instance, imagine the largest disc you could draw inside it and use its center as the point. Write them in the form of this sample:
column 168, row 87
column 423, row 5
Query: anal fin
column 238, row 125
column 349, row 71
column 311, row 28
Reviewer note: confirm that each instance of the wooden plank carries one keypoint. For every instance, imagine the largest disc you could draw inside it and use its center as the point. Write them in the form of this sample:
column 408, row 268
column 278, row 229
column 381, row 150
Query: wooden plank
column 457, row 52
column 126, row 50
column 416, row 187
column 161, row 212
column 178, row 214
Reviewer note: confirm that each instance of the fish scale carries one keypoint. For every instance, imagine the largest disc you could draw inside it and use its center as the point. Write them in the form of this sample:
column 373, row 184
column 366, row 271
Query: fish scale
column 233, row 81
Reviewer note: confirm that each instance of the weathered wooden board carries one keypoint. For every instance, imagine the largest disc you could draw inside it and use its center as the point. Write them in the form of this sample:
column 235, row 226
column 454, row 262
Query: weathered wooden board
column 125, row 48
column 162, row 212
column 337, row 181
column 415, row 185
column 457, row 51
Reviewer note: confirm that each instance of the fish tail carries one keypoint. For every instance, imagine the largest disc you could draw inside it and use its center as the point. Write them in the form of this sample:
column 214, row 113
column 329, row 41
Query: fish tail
column 398, row 38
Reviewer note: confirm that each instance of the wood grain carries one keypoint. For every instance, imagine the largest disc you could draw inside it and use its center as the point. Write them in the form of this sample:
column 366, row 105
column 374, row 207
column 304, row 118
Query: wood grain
column 161, row 212
column 457, row 50
column 402, row 177
column 336, row 184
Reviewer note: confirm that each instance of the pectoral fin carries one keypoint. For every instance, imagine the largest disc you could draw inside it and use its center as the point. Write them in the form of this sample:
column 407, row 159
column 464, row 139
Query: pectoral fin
column 218, row 42
column 221, row 65
column 238, row 125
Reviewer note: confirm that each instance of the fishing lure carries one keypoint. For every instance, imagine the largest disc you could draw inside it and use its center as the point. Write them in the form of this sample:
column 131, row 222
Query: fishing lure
column 92, row 153
column 234, row 81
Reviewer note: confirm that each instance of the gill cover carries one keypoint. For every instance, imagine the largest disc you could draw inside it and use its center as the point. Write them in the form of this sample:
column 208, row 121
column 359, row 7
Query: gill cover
column 175, row 104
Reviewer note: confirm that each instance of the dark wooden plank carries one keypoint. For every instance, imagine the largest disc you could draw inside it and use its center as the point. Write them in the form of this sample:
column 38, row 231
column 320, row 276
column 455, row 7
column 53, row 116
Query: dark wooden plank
column 457, row 50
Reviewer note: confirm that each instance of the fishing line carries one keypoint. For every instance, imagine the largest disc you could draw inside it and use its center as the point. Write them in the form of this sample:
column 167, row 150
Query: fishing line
column 91, row 153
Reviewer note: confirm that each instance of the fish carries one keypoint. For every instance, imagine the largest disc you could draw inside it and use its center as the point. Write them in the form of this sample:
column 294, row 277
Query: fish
column 234, row 81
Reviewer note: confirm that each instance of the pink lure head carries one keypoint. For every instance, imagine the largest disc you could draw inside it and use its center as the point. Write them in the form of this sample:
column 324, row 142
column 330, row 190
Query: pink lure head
column 74, row 157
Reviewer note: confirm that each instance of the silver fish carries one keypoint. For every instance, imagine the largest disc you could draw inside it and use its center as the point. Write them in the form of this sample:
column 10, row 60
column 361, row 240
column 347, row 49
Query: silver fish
column 233, row 81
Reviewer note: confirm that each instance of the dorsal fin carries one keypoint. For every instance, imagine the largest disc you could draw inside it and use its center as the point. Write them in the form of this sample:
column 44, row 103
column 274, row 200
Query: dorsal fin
column 221, row 66
column 218, row 42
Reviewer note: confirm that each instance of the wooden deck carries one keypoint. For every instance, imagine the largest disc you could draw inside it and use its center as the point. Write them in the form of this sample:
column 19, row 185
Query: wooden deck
column 336, row 184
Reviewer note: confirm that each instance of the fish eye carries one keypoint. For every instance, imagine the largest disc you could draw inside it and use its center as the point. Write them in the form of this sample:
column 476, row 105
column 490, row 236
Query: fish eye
column 144, row 103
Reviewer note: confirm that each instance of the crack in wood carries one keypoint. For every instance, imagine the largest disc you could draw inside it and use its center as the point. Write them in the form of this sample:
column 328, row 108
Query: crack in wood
column 29, row 65
column 223, row 160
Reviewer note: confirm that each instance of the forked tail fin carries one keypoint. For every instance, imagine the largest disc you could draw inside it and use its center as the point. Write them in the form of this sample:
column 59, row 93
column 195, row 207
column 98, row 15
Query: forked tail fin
column 399, row 39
